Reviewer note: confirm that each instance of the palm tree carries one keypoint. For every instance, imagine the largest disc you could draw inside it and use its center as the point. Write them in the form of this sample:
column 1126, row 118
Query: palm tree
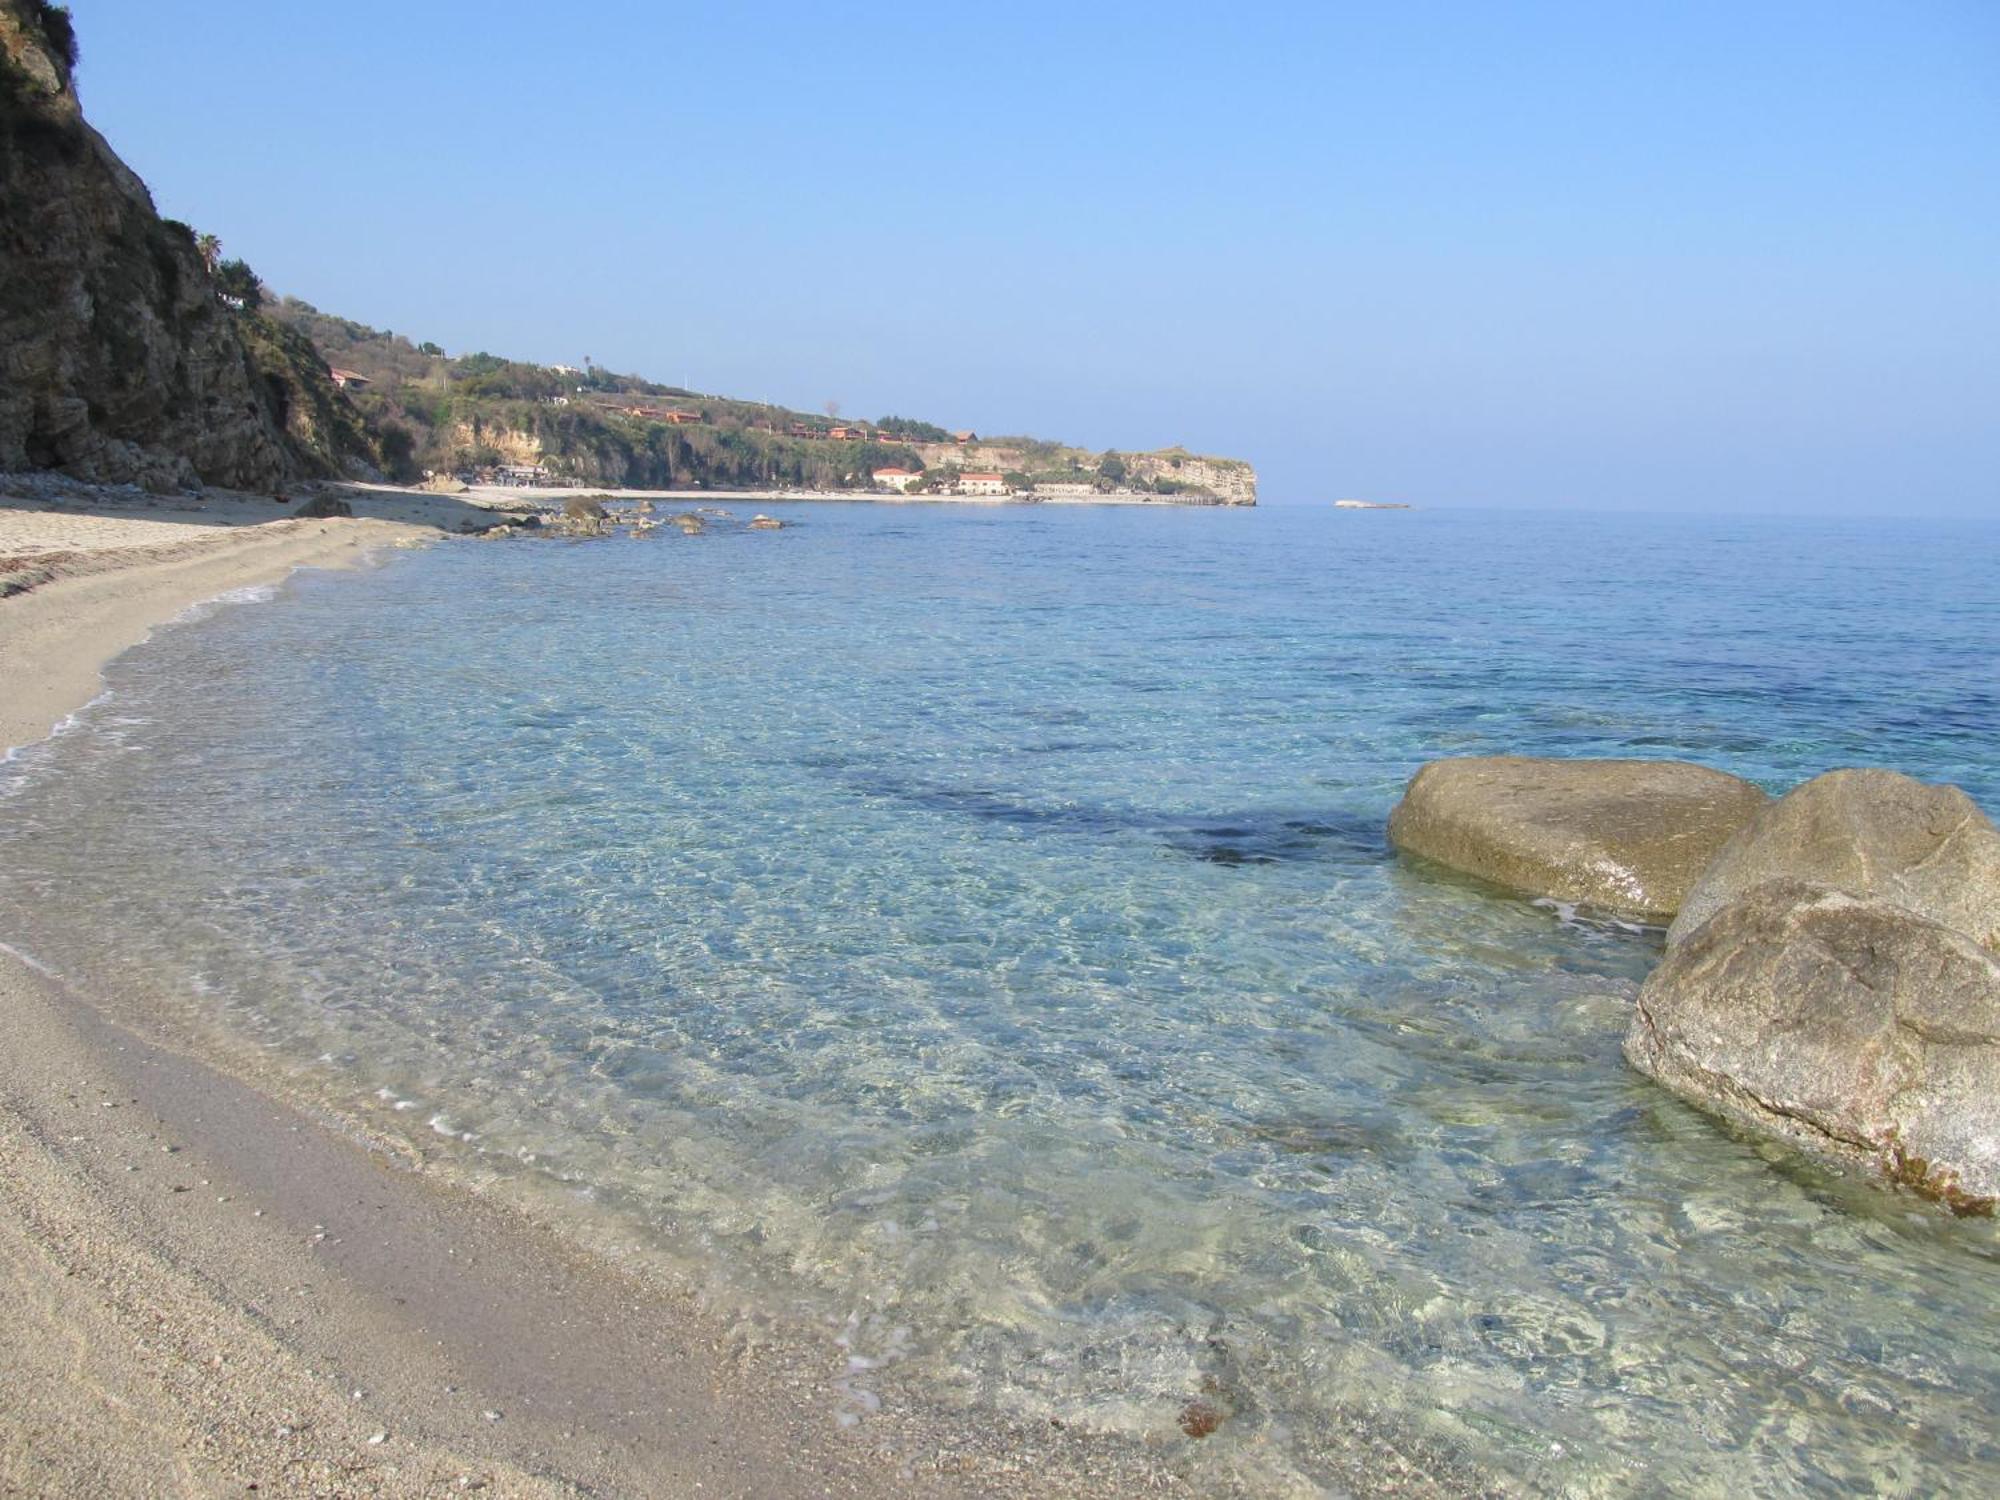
column 209, row 248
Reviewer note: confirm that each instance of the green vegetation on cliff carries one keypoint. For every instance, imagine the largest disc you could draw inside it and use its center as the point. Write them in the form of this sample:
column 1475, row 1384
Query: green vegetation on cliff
column 432, row 412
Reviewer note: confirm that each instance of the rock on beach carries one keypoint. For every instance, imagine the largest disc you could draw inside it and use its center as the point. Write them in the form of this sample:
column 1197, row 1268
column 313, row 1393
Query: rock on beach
column 1629, row 836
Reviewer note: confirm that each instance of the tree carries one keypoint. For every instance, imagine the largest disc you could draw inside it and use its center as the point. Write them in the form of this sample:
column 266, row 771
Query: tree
column 1111, row 467
column 1015, row 480
column 209, row 248
column 399, row 452
column 912, row 431
column 235, row 280
column 433, row 350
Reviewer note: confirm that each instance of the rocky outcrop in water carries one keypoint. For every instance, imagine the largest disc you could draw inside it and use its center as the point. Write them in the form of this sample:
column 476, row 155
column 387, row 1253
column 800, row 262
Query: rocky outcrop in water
column 118, row 361
column 1628, row 836
column 1874, row 834
column 582, row 515
column 1833, row 976
column 1843, row 1023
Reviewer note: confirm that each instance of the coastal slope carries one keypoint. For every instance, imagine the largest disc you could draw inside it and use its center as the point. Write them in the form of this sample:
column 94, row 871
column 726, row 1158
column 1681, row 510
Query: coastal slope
column 119, row 361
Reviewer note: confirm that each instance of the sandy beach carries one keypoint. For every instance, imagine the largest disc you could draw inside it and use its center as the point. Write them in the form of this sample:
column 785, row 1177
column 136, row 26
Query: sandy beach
column 207, row 1289
column 86, row 573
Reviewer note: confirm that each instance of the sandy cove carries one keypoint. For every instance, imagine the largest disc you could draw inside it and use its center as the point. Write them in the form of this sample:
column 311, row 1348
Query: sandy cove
column 87, row 574
column 206, row 1288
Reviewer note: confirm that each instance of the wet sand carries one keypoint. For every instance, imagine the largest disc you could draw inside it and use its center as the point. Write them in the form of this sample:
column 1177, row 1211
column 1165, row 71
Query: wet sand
column 207, row 1289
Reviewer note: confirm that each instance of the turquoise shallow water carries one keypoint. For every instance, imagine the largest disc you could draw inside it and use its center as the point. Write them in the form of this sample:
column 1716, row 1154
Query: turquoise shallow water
column 969, row 933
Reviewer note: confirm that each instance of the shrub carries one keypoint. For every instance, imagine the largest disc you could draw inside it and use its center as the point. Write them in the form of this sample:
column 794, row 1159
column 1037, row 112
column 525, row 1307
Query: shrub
column 58, row 30
column 234, row 278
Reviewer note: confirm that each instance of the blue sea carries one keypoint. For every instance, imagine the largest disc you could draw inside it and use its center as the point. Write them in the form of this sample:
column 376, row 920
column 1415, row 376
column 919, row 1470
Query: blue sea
column 966, row 937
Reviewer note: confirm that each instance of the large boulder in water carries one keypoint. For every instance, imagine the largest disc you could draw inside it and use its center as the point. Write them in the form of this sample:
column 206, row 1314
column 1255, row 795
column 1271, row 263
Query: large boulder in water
column 1876, row 834
column 1629, row 836
column 583, row 516
column 1848, row 1025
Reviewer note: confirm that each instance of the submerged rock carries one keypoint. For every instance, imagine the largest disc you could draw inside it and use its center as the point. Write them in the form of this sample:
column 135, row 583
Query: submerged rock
column 766, row 523
column 1630, row 836
column 1846, row 1024
column 1876, row 834
column 583, row 508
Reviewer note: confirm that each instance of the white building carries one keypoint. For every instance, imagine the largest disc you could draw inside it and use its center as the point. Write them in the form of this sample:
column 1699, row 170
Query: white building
column 895, row 479
column 982, row 484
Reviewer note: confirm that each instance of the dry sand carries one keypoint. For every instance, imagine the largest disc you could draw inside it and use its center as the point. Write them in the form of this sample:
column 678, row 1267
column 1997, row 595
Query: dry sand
column 206, row 1289
column 86, row 575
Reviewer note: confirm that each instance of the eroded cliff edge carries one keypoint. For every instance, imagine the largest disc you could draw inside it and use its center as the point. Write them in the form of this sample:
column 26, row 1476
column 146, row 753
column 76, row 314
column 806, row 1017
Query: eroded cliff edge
column 118, row 361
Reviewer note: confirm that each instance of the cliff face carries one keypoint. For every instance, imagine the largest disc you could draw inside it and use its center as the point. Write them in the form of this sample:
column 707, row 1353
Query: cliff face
column 118, row 362
column 1229, row 480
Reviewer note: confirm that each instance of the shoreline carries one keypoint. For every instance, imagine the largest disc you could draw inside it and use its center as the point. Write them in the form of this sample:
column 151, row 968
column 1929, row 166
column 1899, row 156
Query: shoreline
column 204, row 1286
column 94, row 571
column 208, row 1280
column 541, row 494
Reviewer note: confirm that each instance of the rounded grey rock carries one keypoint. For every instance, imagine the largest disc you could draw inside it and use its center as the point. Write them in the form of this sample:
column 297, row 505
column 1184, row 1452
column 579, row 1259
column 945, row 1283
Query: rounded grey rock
column 1877, row 834
column 1847, row 1025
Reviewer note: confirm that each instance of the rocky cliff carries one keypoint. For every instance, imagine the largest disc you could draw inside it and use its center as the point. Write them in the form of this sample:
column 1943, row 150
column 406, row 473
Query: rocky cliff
column 1228, row 480
column 118, row 361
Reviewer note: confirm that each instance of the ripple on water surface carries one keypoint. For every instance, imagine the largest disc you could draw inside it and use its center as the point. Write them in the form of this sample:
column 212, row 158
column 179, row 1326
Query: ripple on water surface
column 976, row 937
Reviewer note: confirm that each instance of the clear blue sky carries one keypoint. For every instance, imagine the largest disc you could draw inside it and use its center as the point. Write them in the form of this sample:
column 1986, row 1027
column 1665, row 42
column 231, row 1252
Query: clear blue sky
column 1738, row 255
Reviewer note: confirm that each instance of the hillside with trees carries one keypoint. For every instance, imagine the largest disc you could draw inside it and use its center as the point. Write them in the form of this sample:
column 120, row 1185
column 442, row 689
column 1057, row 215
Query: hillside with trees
column 477, row 414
